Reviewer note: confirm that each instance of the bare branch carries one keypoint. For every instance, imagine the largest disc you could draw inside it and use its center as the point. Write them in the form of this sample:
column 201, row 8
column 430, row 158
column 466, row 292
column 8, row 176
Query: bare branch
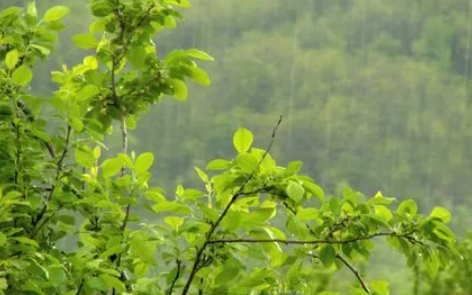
column 355, row 272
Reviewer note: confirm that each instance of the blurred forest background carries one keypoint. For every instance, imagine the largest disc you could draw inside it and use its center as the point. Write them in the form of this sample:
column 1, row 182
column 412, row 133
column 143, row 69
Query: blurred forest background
column 376, row 94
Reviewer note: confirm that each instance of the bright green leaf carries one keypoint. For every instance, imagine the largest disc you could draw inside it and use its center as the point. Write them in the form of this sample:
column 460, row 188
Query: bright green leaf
column 199, row 54
column 174, row 221
column 144, row 162
column 218, row 164
column 85, row 40
column 247, row 162
column 242, row 140
column 55, row 13
column 113, row 282
column 441, row 213
column 295, row 191
column 407, row 206
column 314, row 189
column 180, row 89
column 11, row 59
column 22, row 75
column 380, row 287
column 111, row 167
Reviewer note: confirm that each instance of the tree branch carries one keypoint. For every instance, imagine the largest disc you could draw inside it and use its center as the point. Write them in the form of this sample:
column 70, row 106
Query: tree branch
column 177, row 275
column 240, row 192
column 30, row 117
column 37, row 222
column 355, row 272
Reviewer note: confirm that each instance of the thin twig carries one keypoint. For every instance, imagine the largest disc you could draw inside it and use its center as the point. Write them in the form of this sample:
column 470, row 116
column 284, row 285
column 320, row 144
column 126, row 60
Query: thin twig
column 81, row 286
column 37, row 224
column 355, row 272
column 240, row 192
column 303, row 242
column 177, row 275
column 29, row 116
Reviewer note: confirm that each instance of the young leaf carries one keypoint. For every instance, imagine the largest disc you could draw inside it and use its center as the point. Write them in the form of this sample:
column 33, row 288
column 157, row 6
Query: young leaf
column 242, row 140
column 113, row 282
column 174, row 221
column 407, row 206
column 247, row 162
column 199, row 54
column 218, row 164
column 202, row 175
column 31, row 9
column 144, row 162
column 441, row 213
column 11, row 59
column 327, row 255
column 111, row 167
column 22, row 75
column 379, row 287
column 85, row 40
column 180, row 89
column 293, row 167
column 55, row 13
column 295, row 191
column 314, row 189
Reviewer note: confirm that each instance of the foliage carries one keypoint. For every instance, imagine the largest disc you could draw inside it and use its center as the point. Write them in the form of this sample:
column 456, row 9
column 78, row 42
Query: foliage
column 56, row 186
column 454, row 279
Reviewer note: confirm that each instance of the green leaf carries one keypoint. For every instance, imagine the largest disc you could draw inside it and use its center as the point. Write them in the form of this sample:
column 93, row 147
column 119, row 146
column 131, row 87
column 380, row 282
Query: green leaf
column 101, row 8
column 441, row 213
column 383, row 212
column 443, row 232
column 87, row 92
column 171, row 207
column 407, row 206
column 218, row 164
column 27, row 241
column 293, row 167
column 227, row 274
column 202, row 175
column 307, row 214
column 242, row 140
column 85, row 157
column 327, row 255
column 247, row 162
column 314, row 189
column 295, row 191
column 199, row 76
column 14, row 10
column 199, row 54
column 3, row 284
column 41, row 49
column 22, row 75
column 174, row 221
column 113, row 282
column 57, row 275
column 3, row 239
column 380, row 287
column 144, row 162
column 85, row 40
column 55, row 13
column 31, row 9
column 12, row 58
column 180, row 89
column 379, row 199
column 111, row 167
